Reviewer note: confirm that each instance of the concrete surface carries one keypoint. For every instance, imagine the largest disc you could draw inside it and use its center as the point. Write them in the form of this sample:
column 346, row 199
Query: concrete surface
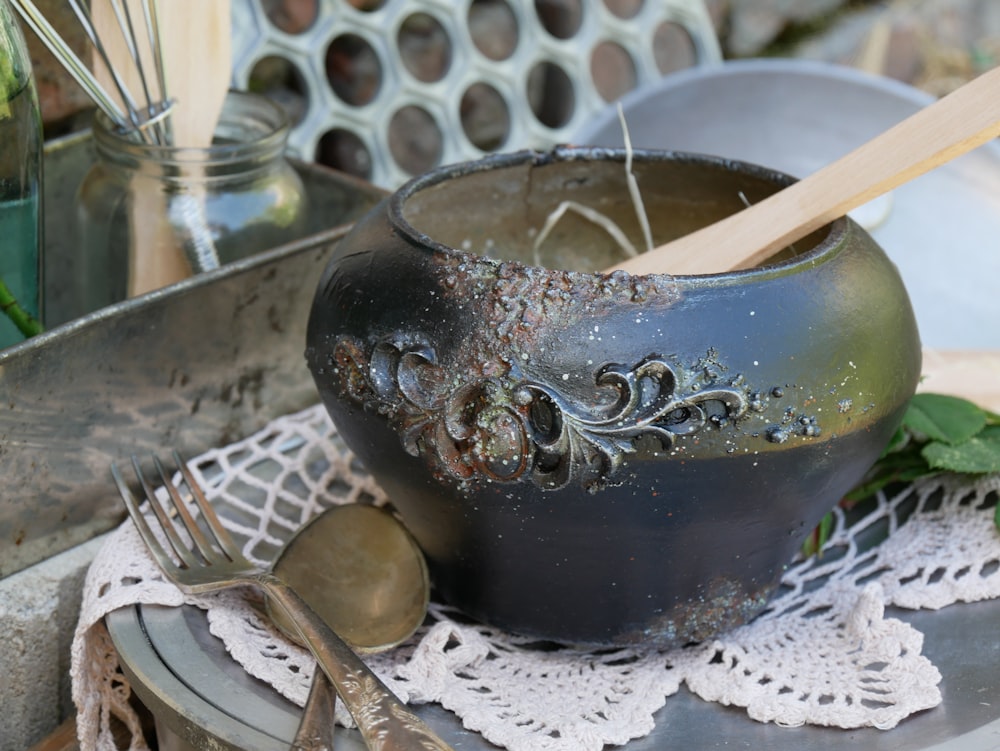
column 39, row 607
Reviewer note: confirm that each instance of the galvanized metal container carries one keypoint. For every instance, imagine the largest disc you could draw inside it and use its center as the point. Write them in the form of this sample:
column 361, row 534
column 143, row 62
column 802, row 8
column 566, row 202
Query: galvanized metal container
column 193, row 365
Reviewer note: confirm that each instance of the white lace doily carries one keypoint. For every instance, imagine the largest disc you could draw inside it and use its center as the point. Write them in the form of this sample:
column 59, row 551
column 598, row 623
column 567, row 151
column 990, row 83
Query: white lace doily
column 823, row 653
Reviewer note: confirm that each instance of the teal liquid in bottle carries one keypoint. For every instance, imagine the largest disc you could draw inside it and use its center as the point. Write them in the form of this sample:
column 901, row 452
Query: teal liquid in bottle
column 20, row 186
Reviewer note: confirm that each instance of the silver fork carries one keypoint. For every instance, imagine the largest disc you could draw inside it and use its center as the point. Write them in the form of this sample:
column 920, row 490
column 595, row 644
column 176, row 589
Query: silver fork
column 212, row 561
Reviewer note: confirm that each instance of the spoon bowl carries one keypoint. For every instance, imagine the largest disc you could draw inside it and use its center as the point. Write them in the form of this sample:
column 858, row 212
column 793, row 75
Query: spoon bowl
column 360, row 570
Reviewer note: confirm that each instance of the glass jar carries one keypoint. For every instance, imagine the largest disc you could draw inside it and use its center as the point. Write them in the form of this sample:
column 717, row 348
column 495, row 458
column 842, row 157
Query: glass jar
column 150, row 215
column 20, row 186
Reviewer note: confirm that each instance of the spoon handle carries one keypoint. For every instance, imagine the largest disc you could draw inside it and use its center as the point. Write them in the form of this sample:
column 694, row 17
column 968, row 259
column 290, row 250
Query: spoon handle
column 315, row 731
column 949, row 127
column 384, row 721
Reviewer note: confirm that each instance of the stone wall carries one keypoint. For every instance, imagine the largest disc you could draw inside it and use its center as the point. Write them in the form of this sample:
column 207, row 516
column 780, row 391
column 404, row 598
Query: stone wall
column 39, row 608
column 935, row 45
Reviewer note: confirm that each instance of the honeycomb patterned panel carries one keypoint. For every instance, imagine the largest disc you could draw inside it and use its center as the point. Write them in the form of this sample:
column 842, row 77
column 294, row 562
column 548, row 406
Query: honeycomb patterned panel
column 388, row 89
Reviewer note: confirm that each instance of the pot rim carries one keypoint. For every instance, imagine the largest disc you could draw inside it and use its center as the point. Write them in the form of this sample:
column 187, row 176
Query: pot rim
column 835, row 238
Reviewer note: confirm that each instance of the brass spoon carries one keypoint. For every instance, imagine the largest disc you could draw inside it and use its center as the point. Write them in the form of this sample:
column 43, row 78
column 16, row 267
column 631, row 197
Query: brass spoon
column 363, row 574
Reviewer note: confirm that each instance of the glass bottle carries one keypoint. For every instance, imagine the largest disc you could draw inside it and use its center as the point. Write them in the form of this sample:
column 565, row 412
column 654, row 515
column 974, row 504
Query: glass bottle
column 209, row 206
column 20, row 186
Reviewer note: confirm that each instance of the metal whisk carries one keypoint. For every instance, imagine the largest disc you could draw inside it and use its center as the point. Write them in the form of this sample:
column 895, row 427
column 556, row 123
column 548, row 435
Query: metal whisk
column 147, row 121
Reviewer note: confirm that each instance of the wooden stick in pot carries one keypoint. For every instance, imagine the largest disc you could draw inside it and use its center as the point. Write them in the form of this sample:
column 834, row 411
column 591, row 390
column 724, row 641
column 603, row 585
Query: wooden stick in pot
column 954, row 125
column 948, row 128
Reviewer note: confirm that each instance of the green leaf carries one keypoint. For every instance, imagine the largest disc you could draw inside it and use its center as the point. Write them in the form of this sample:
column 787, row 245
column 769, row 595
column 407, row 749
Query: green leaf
column 898, row 441
column 943, row 418
column 814, row 542
column 978, row 455
column 883, row 479
column 939, row 433
column 908, row 456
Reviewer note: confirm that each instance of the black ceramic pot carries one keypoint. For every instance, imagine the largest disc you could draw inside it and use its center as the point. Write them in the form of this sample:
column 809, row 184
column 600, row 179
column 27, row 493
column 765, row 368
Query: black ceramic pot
column 606, row 459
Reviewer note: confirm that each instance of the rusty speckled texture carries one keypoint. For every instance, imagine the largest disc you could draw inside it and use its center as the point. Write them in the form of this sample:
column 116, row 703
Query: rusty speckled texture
column 724, row 605
column 484, row 415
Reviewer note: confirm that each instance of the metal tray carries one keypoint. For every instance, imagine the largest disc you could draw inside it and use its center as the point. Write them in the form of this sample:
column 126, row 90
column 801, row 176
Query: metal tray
column 197, row 364
column 203, row 699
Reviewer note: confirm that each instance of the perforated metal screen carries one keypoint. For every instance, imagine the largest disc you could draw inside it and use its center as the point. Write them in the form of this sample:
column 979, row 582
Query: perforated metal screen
column 386, row 89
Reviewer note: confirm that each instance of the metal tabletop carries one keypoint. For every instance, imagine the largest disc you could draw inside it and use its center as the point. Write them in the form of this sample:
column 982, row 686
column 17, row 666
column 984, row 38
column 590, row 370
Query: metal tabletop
column 203, row 699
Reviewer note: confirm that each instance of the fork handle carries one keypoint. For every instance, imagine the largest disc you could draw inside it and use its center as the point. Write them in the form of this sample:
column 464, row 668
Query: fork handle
column 385, row 722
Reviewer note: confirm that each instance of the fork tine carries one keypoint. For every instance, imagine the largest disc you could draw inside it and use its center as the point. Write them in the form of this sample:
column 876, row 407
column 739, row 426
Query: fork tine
column 202, row 543
column 180, row 548
column 164, row 561
column 220, row 533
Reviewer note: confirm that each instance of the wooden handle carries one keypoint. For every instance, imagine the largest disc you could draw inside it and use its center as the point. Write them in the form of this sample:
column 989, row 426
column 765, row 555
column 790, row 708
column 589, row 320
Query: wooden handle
column 109, row 31
column 197, row 52
column 155, row 259
column 194, row 37
column 959, row 122
column 971, row 374
column 195, row 41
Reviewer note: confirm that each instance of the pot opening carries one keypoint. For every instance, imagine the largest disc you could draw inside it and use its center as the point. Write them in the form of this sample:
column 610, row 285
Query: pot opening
column 498, row 207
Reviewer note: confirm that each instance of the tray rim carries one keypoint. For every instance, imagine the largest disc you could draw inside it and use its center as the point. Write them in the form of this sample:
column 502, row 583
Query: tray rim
column 135, row 642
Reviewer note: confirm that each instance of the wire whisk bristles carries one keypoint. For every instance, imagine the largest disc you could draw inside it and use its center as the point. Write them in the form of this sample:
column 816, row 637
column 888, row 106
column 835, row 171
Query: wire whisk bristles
column 139, row 104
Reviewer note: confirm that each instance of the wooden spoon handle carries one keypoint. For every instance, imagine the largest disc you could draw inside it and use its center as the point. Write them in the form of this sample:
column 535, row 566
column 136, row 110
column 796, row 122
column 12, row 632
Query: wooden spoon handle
column 959, row 122
column 971, row 374
column 197, row 51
